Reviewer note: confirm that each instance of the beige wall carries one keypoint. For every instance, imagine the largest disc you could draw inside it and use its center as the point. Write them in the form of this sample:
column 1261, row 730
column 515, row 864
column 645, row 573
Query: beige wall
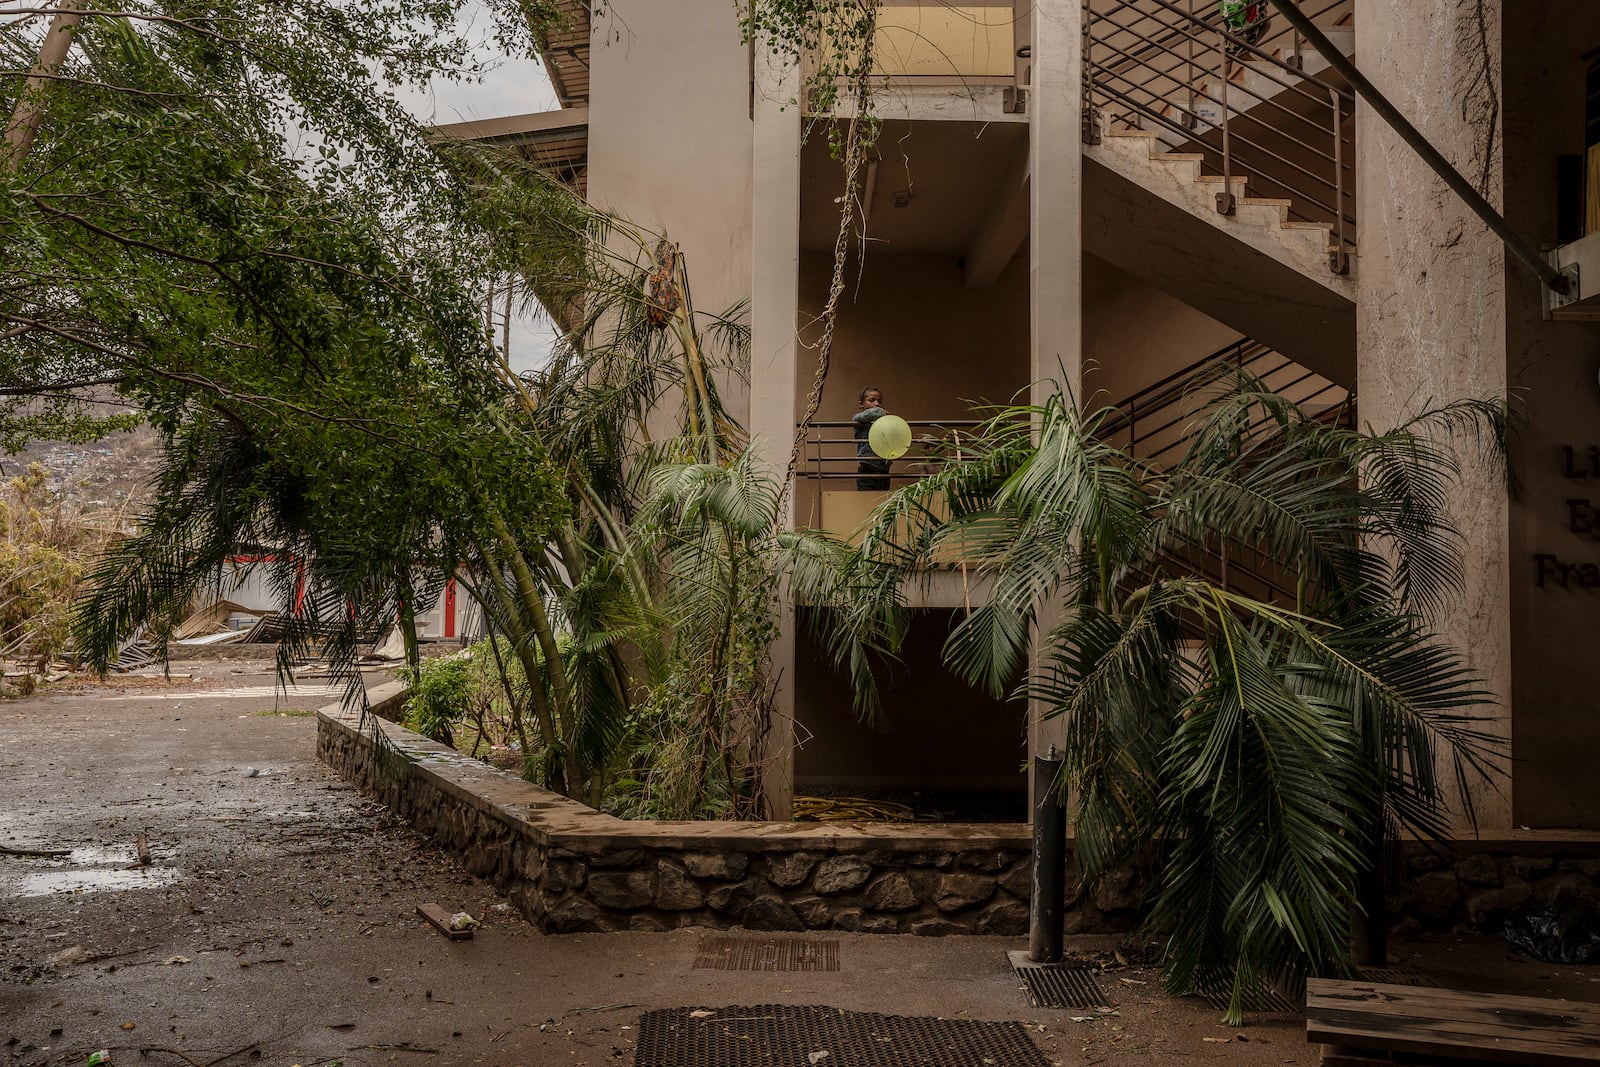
column 1134, row 334
column 909, row 325
column 670, row 141
column 1552, row 367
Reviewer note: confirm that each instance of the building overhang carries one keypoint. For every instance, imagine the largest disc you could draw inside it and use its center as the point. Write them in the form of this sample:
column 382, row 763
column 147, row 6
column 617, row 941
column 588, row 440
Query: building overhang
column 565, row 48
column 554, row 141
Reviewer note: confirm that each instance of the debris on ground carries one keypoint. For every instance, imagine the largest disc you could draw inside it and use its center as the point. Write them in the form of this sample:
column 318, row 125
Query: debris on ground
column 457, row 927
column 1571, row 936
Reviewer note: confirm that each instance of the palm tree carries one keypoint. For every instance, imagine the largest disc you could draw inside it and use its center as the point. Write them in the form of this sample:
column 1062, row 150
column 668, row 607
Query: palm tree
column 1256, row 755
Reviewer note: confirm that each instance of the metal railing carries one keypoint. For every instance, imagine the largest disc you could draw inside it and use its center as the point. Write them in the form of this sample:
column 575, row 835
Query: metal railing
column 1157, row 423
column 1242, row 101
column 830, row 452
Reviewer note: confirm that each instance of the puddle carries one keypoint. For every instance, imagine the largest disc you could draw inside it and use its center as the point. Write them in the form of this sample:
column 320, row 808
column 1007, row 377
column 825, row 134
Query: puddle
column 94, row 869
column 93, row 880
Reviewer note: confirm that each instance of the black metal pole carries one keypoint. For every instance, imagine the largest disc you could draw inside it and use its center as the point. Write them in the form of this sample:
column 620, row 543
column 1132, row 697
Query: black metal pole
column 1521, row 249
column 1047, row 904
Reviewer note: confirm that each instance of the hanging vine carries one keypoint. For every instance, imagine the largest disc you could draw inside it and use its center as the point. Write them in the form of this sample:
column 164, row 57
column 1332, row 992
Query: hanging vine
column 837, row 39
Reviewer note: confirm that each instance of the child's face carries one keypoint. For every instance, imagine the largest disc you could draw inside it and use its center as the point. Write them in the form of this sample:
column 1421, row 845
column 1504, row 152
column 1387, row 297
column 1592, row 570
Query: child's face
column 871, row 399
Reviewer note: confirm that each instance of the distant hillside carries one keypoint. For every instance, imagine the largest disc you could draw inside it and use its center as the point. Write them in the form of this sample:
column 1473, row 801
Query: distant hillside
column 110, row 474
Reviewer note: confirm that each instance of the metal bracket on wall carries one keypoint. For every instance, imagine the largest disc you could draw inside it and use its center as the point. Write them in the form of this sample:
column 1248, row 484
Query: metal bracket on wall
column 1554, row 301
column 1091, row 126
column 1014, row 100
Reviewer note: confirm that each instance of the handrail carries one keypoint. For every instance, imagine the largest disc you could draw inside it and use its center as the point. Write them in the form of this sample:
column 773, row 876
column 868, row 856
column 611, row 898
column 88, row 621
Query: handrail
column 1524, row 252
column 1154, row 62
column 828, row 456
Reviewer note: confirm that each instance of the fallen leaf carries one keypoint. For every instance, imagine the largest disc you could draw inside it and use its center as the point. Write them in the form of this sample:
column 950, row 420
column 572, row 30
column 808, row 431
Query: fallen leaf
column 127, row 1026
column 175, row 961
column 1217, row 1040
column 701, row 1013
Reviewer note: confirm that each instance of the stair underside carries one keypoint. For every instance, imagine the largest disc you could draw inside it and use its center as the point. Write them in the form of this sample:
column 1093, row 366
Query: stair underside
column 1258, row 271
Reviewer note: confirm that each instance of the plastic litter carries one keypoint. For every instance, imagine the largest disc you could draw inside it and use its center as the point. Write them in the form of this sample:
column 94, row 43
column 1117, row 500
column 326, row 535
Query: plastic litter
column 1569, row 936
column 100, row 1059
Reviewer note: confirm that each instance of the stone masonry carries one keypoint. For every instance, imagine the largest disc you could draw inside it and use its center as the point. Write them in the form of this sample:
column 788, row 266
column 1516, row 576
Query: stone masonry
column 570, row 868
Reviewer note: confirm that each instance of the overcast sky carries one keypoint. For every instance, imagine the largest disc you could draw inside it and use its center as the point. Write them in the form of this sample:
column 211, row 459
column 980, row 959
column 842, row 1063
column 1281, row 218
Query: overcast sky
column 512, row 87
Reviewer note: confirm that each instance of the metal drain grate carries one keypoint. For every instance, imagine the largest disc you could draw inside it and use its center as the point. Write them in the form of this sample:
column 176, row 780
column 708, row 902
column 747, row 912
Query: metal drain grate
column 1057, row 985
column 770, row 1034
column 1397, row 976
column 767, row 954
column 1271, row 1001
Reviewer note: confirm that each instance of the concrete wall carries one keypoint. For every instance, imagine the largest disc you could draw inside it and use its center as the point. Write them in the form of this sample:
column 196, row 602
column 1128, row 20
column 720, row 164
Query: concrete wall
column 909, row 325
column 1135, row 334
column 1431, row 308
column 670, row 140
column 1551, row 368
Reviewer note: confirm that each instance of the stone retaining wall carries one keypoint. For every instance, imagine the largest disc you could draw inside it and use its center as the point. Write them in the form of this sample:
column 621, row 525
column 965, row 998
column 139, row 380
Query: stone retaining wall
column 1475, row 885
column 568, row 867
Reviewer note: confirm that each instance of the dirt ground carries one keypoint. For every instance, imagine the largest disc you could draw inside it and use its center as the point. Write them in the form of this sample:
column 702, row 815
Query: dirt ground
column 276, row 924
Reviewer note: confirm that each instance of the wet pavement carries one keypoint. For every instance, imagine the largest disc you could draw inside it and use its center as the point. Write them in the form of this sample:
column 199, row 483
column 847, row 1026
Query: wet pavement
column 276, row 922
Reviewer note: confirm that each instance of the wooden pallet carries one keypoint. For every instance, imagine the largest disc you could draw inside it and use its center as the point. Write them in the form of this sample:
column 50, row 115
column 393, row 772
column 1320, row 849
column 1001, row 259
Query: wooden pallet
column 1363, row 1024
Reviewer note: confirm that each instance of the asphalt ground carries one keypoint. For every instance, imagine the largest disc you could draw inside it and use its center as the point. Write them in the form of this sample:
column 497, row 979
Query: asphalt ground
column 276, row 923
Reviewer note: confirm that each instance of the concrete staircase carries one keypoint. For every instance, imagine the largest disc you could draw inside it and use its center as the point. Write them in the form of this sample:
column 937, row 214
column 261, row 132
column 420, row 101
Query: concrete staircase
column 1220, row 169
column 1153, row 213
column 1158, row 423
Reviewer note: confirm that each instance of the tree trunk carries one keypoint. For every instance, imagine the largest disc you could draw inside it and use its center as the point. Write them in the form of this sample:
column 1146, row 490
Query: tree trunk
column 29, row 113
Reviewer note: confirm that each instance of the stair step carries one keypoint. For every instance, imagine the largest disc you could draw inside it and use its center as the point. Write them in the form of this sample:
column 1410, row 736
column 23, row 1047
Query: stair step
column 1151, row 134
column 1268, row 201
column 1217, row 179
column 1181, row 157
column 1296, row 224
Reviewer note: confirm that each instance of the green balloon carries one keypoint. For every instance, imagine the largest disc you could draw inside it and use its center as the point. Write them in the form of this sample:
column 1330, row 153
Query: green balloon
column 889, row 437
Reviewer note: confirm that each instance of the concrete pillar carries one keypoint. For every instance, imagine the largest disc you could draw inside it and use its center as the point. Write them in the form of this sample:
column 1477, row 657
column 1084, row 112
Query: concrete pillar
column 1055, row 267
column 774, row 317
column 1431, row 322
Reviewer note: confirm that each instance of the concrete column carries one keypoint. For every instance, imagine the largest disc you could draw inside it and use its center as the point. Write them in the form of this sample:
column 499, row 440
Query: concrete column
column 1431, row 320
column 774, row 317
column 1055, row 266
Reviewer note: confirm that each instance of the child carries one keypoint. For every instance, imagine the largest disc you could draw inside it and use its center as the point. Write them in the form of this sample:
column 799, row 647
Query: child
column 871, row 405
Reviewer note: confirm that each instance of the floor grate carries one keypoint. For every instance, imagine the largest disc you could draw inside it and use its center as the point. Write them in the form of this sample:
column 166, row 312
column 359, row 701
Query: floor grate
column 1057, row 985
column 1270, row 1001
column 1397, row 976
column 767, row 954
column 771, row 1034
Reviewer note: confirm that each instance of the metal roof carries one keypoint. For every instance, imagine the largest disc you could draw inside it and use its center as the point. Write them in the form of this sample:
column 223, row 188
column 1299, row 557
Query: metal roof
column 554, row 141
column 565, row 48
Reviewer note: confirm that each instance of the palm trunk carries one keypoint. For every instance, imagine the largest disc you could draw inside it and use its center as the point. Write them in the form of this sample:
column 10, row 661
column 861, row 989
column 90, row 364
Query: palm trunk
column 29, row 113
column 532, row 604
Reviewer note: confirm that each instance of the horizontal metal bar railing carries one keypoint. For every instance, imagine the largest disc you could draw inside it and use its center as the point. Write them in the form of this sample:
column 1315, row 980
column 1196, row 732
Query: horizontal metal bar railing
column 1276, row 179
column 831, row 449
column 1281, row 130
column 1168, row 73
column 1269, row 66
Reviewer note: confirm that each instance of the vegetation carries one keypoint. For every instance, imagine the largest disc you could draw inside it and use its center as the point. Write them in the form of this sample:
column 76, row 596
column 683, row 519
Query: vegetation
column 1256, row 755
column 304, row 329
column 45, row 547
